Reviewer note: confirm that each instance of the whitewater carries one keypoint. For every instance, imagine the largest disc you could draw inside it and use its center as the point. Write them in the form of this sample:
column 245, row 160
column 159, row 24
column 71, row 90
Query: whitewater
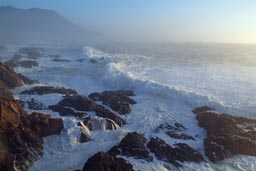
column 169, row 81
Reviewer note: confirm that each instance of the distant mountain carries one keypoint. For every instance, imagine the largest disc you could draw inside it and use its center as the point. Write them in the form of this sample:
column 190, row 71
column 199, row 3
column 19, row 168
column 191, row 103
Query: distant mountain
column 39, row 25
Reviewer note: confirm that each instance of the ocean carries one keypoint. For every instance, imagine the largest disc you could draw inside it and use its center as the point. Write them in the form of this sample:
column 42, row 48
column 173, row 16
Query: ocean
column 169, row 81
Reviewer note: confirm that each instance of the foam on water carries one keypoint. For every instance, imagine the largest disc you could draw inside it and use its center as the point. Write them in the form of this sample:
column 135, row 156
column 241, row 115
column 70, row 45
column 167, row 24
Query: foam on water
column 165, row 92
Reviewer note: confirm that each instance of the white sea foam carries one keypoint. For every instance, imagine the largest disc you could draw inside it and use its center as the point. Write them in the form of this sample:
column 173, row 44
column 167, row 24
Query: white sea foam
column 165, row 92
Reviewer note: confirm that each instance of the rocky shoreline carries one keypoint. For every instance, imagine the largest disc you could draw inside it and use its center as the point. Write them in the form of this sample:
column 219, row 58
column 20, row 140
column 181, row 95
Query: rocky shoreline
column 21, row 134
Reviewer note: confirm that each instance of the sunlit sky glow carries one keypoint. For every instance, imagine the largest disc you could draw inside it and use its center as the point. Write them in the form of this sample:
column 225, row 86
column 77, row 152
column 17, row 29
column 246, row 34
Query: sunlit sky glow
column 158, row 20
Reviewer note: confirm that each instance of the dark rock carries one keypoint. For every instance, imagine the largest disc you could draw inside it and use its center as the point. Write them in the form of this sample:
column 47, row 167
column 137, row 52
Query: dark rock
column 132, row 145
column 35, row 105
column 57, row 58
column 93, row 61
column 45, row 125
column 227, row 135
column 117, row 100
column 181, row 153
column 20, row 134
column 64, row 111
column 85, row 133
column 41, row 90
column 10, row 79
column 28, row 64
column 202, row 109
column 14, row 61
column 105, row 162
column 84, row 104
column 32, row 52
column 83, row 138
column 175, row 131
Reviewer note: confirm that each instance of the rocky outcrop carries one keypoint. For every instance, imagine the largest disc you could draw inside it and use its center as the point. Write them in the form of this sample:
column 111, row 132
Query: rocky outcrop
column 227, row 135
column 117, row 100
column 66, row 111
column 82, row 103
column 105, row 162
column 175, row 131
column 21, row 134
column 17, row 61
column 99, row 124
column 174, row 155
column 10, row 79
column 41, row 90
column 57, row 58
column 132, row 145
column 31, row 52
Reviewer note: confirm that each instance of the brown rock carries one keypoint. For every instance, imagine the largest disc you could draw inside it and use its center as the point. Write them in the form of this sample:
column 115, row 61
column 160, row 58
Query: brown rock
column 132, row 145
column 41, row 90
column 117, row 100
column 64, row 111
column 11, row 79
column 181, row 153
column 105, row 162
column 227, row 135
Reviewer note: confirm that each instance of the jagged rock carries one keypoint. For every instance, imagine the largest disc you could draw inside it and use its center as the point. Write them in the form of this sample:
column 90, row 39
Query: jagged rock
column 117, row 100
column 132, row 145
column 35, row 105
column 10, row 79
column 227, row 135
column 84, row 104
column 14, row 61
column 32, row 52
column 80, row 60
column 175, row 131
column 45, row 125
column 105, row 162
column 20, row 134
column 64, row 111
column 93, row 61
column 41, row 90
column 174, row 155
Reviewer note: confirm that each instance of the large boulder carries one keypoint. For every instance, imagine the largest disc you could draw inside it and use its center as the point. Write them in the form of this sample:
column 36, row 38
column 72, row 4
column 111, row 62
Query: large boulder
column 82, row 103
column 44, row 125
column 105, row 162
column 11, row 79
column 132, row 145
column 117, row 100
column 227, row 135
column 174, row 155
column 14, row 61
column 66, row 111
column 21, row 134
column 41, row 90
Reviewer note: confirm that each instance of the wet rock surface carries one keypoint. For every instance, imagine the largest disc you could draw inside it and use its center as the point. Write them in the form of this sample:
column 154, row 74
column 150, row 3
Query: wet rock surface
column 65, row 111
column 10, row 79
column 132, row 145
column 117, row 100
column 105, row 162
column 175, row 131
column 57, row 58
column 21, row 134
column 41, row 90
column 82, row 103
column 99, row 124
column 174, row 155
column 227, row 135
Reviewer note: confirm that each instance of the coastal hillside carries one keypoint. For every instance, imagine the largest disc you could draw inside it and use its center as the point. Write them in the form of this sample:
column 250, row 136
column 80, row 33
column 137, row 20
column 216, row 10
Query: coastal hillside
column 39, row 25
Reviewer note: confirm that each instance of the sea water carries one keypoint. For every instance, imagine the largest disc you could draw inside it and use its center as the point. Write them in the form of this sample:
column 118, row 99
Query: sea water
column 169, row 81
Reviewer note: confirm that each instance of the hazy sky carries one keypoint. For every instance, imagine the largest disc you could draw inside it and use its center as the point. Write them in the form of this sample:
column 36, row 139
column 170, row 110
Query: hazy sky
column 159, row 20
